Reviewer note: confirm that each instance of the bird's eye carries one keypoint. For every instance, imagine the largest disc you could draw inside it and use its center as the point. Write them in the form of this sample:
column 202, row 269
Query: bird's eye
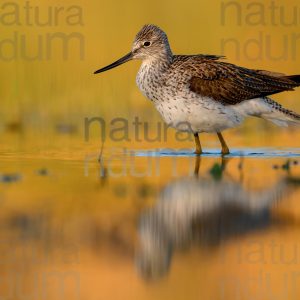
column 147, row 44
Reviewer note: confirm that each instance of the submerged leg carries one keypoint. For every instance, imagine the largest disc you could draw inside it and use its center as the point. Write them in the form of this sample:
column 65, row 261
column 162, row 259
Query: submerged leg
column 225, row 149
column 198, row 144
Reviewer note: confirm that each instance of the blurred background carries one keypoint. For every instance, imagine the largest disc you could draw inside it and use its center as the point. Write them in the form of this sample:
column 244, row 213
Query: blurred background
column 50, row 50
column 141, row 225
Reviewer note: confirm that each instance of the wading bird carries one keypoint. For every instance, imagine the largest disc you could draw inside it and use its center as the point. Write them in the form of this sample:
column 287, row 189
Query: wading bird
column 201, row 93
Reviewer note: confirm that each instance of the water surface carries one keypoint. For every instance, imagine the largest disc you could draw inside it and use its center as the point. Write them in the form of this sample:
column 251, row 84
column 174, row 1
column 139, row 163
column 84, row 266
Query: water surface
column 171, row 227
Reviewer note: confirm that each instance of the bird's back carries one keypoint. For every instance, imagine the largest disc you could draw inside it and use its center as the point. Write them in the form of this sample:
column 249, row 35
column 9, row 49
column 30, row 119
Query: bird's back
column 227, row 83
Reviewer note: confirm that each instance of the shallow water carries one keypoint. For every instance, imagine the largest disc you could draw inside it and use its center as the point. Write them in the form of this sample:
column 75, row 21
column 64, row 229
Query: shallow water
column 150, row 224
column 247, row 152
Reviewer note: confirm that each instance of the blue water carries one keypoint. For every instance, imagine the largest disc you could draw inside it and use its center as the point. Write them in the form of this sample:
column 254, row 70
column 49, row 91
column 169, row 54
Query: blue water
column 245, row 152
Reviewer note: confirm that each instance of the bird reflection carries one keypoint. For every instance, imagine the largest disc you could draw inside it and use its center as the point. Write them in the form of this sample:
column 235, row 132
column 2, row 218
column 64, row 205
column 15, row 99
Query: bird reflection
column 202, row 211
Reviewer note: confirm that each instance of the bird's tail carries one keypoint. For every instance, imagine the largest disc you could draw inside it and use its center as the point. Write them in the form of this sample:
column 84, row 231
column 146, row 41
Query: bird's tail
column 270, row 110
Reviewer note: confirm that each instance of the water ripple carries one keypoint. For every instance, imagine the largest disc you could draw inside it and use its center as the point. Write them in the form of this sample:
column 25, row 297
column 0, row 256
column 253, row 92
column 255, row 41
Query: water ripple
column 245, row 152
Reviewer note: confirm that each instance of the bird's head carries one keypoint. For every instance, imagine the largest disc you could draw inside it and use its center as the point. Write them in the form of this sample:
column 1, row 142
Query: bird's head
column 151, row 43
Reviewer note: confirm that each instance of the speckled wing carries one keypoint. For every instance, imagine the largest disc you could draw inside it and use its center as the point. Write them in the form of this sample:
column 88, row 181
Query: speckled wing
column 230, row 84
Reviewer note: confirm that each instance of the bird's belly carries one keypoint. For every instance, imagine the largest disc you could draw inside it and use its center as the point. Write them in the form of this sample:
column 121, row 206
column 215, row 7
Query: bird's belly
column 197, row 115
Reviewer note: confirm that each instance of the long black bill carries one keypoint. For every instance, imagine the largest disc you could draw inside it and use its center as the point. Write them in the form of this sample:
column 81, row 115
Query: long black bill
column 120, row 61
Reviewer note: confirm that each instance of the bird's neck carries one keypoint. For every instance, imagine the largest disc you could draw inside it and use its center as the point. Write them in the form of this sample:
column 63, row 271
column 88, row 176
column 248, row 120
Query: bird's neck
column 158, row 64
column 151, row 75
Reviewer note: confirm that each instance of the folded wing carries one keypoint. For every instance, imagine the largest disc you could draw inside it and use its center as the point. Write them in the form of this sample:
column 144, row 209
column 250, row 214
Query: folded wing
column 230, row 84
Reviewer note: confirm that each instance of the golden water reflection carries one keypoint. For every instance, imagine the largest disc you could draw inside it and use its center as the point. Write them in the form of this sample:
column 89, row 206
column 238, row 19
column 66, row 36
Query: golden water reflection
column 204, row 212
column 228, row 231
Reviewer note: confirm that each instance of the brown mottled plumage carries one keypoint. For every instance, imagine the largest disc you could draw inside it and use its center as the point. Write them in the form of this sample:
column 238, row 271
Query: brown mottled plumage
column 231, row 84
column 200, row 93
